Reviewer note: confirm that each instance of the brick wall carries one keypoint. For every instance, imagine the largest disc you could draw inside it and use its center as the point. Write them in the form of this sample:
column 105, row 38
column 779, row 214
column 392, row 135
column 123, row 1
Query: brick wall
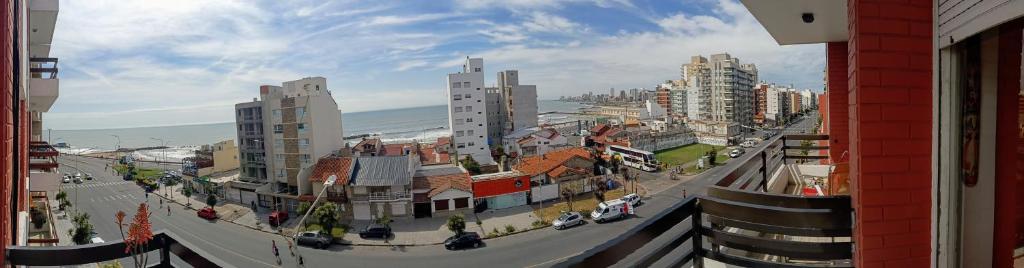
column 890, row 72
column 6, row 137
column 838, row 114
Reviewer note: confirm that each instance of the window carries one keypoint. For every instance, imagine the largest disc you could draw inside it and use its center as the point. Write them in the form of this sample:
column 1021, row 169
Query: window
column 278, row 128
column 456, row 85
column 280, row 173
column 469, row 120
column 278, row 143
column 306, row 159
column 468, row 96
column 301, row 127
column 458, row 109
column 461, row 203
column 469, row 108
column 458, row 121
column 469, row 132
column 472, row 144
column 457, row 97
column 465, row 84
column 461, row 145
column 460, row 133
column 303, row 142
column 300, row 112
column 476, row 69
column 279, row 157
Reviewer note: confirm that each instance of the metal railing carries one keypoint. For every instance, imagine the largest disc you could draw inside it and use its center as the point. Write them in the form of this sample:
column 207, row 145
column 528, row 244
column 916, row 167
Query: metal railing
column 165, row 242
column 684, row 223
column 42, row 69
column 383, row 196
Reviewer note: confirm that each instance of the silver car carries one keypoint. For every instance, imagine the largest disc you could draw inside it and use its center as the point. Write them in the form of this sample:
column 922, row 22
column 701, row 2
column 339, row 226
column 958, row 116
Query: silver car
column 568, row 219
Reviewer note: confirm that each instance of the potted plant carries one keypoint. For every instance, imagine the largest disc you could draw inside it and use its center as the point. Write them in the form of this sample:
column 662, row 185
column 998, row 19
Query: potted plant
column 38, row 217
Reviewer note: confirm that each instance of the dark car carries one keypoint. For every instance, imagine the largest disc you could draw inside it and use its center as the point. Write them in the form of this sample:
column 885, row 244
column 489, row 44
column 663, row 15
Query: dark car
column 375, row 231
column 277, row 217
column 314, row 239
column 464, row 240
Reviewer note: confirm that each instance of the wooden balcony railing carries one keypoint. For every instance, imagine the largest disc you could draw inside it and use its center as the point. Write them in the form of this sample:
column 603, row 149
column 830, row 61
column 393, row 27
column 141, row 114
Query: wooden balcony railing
column 736, row 224
column 165, row 242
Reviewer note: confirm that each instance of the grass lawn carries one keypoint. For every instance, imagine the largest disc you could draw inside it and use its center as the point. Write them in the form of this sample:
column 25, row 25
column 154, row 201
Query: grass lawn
column 584, row 202
column 141, row 172
column 685, row 154
column 338, row 231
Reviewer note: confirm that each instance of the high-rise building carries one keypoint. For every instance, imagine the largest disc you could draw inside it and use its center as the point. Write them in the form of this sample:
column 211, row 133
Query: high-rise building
column 520, row 102
column 695, row 97
column 795, row 102
column 760, row 103
column 286, row 130
column 662, row 96
column 730, row 85
column 677, row 100
column 496, row 114
column 634, row 94
column 466, row 118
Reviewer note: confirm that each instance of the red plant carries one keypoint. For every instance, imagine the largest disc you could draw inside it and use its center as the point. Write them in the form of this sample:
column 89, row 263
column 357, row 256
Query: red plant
column 140, row 232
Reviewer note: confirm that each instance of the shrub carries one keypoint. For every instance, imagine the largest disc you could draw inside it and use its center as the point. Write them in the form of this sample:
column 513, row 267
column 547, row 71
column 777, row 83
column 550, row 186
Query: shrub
column 540, row 224
column 585, row 213
column 456, row 223
column 510, row 229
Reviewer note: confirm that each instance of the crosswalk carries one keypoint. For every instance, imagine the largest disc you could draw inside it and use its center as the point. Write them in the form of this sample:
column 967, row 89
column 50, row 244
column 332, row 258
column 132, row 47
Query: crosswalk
column 95, row 184
column 122, row 197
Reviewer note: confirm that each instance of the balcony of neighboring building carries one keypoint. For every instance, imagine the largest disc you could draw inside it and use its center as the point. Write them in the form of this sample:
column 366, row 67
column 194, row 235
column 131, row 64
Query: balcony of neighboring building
column 44, row 86
column 386, row 196
column 42, row 231
column 42, row 21
column 741, row 220
column 43, row 174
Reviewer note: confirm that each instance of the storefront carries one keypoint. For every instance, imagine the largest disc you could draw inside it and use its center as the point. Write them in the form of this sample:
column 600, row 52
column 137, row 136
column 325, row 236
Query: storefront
column 500, row 190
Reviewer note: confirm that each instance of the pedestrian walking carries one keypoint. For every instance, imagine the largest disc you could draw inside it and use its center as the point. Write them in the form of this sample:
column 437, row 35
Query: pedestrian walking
column 162, row 203
column 684, row 192
column 168, row 210
column 273, row 245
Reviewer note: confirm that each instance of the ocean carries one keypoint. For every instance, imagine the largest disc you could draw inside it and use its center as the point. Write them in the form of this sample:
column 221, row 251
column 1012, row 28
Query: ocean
column 419, row 123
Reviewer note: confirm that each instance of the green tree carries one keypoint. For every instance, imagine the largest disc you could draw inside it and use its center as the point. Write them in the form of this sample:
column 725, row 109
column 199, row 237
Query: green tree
column 81, row 232
column 805, row 151
column 471, row 165
column 62, row 200
column 327, row 216
column 303, row 207
column 187, row 191
column 211, row 200
column 457, row 224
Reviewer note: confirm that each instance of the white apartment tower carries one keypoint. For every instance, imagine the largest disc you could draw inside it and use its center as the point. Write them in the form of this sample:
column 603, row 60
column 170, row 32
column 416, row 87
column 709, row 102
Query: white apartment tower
column 730, row 87
column 466, row 108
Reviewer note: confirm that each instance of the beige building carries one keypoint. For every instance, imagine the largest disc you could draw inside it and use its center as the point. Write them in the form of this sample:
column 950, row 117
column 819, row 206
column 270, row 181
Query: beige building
column 225, row 158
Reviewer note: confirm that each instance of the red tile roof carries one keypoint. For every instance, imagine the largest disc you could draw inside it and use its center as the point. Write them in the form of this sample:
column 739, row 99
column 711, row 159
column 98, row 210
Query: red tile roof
column 443, row 141
column 562, row 170
column 440, row 183
column 332, row 165
column 535, row 165
column 394, row 149
column 597, row 129
column 374, row 142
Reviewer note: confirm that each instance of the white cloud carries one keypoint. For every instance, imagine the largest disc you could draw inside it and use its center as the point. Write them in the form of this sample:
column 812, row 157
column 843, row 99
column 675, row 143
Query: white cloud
column 545, row 22
column 523, row 5
column 406, row 65
column 401, row 20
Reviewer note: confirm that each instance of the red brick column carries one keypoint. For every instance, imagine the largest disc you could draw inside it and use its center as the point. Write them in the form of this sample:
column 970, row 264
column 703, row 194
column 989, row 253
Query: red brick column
column 6, row 117
column 838, row 107
column 890, row 71
column 1008, row 180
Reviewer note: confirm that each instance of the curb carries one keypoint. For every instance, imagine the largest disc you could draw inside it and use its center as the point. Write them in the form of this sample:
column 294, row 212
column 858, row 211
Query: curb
column 232, row 222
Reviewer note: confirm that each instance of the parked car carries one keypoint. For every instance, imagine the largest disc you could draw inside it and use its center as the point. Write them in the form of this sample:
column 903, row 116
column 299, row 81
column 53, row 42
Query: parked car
column 633, row 199
column 611, row 210
column 77, row 179
column 464, row 240
column 207, row 213
column 277, row 217
column 87, row 176
column 67, row 179
column 736, row 153
column 96, row 240
column 568, row 219
column 314, row 240
column 376, row 231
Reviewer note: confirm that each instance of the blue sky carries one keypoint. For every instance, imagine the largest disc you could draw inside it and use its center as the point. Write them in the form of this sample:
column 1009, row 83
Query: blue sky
column 155, row 62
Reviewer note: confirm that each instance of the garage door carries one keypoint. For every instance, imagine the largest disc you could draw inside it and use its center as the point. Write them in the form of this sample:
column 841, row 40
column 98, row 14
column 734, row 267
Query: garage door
column 421, row 210
column 361, row 211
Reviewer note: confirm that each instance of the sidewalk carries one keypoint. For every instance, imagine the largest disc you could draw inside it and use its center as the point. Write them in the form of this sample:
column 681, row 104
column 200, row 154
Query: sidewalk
column 228, row 211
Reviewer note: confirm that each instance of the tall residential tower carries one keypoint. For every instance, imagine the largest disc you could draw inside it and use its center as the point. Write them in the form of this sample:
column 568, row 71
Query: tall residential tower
column 466, row 107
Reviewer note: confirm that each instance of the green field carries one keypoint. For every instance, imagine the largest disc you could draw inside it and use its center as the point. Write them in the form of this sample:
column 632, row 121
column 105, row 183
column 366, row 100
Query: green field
column 685, row 154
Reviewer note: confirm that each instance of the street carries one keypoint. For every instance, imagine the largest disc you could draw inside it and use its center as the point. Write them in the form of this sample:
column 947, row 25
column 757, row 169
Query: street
column 106, row 194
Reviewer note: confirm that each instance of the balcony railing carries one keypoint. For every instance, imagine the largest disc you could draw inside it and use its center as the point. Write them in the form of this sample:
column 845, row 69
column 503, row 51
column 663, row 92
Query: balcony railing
column 165, row 242
column 47, row 67
column 383, row 196
column 736, row 224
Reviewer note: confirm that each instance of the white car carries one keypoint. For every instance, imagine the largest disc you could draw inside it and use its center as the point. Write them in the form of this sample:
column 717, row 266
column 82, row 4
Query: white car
column 568, row 219
column 633, row 199
column 96, row 240
column 611, row 210
column 67, row 179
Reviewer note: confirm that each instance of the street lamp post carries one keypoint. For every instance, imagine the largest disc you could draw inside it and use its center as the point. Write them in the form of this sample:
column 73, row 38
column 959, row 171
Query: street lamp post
column 329, row 182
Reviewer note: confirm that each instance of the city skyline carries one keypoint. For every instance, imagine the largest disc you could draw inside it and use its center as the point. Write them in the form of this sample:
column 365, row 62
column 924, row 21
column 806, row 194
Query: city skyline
column 148, row 55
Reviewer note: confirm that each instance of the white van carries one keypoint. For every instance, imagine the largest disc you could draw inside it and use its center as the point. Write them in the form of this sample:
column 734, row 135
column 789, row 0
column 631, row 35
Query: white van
column 611, row 210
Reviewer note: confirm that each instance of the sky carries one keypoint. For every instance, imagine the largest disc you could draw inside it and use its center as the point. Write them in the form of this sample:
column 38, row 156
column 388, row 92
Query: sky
column 157, row 63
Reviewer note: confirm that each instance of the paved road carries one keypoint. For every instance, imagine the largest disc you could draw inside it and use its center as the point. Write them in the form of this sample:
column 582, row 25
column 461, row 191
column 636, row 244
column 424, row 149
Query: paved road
column 245, row 247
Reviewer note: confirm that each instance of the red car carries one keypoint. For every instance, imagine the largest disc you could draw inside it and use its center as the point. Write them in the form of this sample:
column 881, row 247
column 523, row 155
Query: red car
column 278, row 217
column 207, row 213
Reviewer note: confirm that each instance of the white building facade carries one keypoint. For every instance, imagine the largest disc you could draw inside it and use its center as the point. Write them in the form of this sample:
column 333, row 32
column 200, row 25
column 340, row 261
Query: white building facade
column 466, row 112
